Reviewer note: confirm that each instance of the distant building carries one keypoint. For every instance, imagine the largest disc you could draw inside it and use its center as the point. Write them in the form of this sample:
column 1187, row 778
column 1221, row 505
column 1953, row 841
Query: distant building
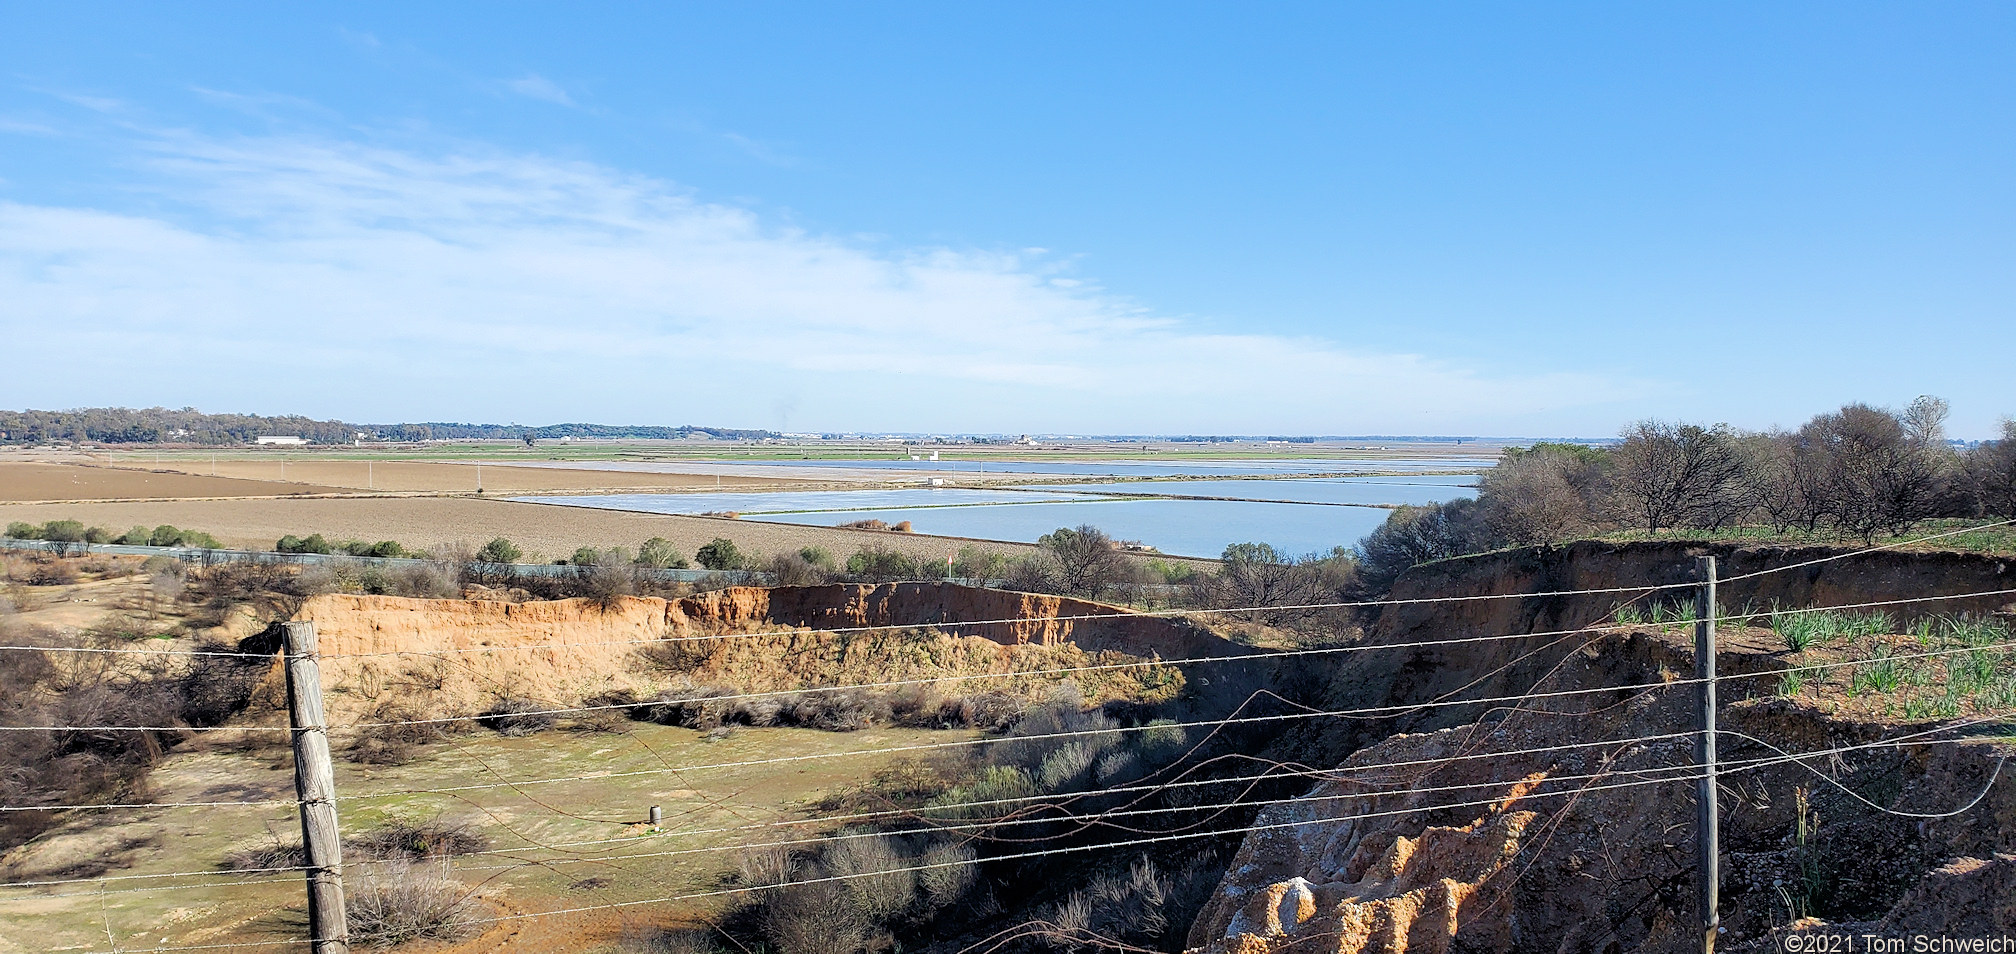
column 278, row 440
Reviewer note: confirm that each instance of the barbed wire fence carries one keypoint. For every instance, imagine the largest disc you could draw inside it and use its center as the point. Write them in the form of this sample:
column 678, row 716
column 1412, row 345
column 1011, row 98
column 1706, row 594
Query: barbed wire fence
column 1054, row 815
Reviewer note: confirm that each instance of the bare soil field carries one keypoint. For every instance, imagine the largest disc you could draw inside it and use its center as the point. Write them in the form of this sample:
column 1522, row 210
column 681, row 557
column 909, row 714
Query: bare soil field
column 403, row 476
column 541, row 529
column 50, row 481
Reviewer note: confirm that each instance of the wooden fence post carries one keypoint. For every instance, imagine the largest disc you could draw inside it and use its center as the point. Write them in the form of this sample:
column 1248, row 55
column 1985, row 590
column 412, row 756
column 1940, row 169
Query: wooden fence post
column 315, row 786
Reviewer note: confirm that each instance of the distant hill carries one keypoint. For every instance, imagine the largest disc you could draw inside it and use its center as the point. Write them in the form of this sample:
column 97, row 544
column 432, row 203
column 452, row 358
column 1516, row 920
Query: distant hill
column 122, row 425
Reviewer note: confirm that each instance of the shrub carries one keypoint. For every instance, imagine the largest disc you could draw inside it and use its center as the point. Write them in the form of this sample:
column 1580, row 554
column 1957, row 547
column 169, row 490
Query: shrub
column 720, row 554
column 159, row 564
column 313, row 543
column 660, row 554
column 63, row 531
column 792, row 569
column 499, row 550
column 383, row 548
column 20, row 530
column 518, row 717
column 974, row 563
column 878, row 564
column 136, row 537
column 396, row 902
column 98, row 535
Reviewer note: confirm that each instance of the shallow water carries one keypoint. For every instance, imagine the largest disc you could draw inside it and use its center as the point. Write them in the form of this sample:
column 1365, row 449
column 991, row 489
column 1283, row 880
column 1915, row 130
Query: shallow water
column 1162, row 468
column 1345, row 490
column 1185, row 527
column 820, row 500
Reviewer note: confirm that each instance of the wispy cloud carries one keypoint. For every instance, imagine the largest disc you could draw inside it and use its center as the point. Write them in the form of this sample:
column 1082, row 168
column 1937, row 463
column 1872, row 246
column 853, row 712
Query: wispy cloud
column 399, row 283
column 540, row 88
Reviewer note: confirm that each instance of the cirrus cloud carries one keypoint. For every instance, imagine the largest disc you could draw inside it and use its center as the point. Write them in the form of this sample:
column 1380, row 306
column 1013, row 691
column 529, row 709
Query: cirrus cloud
column 357, row 280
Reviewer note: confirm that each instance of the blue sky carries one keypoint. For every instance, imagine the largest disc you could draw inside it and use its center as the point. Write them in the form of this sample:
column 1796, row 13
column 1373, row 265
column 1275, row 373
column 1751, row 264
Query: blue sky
column 1285, row 218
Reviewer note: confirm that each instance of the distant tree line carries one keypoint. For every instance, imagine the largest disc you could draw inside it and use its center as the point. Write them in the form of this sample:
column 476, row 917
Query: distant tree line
column 510, row 432
column 1861, row 472
column 121, row 425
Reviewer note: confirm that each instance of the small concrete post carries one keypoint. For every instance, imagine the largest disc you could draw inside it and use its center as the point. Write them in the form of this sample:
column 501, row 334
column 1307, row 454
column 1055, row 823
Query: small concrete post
column 657, row 815
column 1707, row 823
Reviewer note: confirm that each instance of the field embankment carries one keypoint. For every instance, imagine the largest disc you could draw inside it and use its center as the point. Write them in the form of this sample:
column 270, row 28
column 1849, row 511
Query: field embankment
column 460, row 657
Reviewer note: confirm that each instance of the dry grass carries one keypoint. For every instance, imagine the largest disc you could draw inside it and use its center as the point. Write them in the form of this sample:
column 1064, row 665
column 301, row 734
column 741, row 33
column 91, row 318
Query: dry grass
column 546, row 532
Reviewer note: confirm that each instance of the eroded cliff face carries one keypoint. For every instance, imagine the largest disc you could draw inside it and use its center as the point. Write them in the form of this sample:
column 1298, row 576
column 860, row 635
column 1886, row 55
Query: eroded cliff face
column 458, row 657
column 1572, row 831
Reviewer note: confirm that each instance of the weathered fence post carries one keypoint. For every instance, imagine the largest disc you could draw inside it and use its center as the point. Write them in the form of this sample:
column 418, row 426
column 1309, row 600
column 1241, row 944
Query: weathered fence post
column 1707, row 834
column 315, row 786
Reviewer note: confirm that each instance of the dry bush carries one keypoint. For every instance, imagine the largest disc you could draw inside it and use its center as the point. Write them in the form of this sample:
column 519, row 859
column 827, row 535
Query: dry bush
column 383, row 744
column 399, row 902
column 947, row 872
column 681, row 940
column 607, row 581
column 606, row 712
column 878, row 876
column 415, row 841
column 989, row 711
column 217, row 687
column 919, row 706
column 676, row 655
column 792, row 569
column 519, row 717
column 836, row 711
column 43, row 569
column 428, row 581
column 692, row 707
column 274, row 852
column 765, row 865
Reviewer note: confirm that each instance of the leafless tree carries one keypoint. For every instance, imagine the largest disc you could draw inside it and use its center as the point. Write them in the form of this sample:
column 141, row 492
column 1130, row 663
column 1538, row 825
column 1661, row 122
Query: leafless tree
column 1882, row 473
column 1275, row 588
column 1679, row 475
column 1991, row 473
column 1087, row 561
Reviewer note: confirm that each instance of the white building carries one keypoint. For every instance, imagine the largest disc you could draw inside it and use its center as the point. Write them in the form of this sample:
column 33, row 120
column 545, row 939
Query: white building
column 280, row 441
